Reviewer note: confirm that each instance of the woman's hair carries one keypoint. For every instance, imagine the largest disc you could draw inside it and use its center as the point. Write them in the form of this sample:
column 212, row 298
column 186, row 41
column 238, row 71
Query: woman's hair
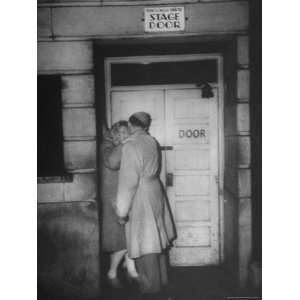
column 136, row 122
column 116, row 126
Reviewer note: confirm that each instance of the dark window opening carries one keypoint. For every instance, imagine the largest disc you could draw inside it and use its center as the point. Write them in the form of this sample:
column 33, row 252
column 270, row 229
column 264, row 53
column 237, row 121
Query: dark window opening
column 50, row 159
column 184, row 72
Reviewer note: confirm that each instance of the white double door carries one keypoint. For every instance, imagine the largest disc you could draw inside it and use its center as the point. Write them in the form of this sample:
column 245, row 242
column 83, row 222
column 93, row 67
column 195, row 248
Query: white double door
column 186, row 126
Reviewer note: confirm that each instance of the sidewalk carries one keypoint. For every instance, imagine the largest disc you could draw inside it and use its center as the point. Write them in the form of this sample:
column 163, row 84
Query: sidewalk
column 209, row 283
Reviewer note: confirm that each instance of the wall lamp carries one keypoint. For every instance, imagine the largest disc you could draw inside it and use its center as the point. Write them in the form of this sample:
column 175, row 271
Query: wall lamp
column 206, row 90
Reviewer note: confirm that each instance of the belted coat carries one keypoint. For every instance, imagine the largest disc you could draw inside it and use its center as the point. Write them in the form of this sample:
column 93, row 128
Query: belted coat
column 141, row 197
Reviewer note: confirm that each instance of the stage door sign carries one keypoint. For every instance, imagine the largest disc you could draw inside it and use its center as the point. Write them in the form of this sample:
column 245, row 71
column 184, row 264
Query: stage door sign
column 164, row 19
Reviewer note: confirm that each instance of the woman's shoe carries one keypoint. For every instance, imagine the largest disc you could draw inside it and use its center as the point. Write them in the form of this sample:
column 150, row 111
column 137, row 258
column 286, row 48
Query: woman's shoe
column 114, row 282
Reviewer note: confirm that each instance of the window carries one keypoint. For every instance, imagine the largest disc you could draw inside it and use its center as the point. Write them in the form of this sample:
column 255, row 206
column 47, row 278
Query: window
column 50, row 160
column 164, row 72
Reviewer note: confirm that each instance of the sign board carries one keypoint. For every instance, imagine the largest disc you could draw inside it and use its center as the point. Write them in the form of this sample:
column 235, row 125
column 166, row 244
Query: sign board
column 164, row 19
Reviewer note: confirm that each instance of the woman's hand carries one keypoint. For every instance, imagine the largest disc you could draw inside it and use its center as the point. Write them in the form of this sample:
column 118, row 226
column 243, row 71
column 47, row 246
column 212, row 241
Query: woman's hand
column 123, row 221
column 127, row 140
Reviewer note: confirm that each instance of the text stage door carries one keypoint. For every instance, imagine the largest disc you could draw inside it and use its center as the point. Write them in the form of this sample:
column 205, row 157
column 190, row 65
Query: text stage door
column 192, row 130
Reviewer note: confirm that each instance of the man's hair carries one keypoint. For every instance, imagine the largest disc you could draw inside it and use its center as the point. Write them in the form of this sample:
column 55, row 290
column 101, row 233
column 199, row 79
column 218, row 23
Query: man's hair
column 116, row 126
column 136, row 122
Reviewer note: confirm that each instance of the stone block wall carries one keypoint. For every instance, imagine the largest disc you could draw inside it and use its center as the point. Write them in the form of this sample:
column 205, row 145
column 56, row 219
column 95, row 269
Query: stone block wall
column 237, row 182
column 68, row 224
column 68, row 256
column 76, row 20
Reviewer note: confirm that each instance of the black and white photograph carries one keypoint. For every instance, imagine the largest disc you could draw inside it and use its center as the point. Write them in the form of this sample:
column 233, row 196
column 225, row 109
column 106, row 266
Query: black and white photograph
column 149, row 150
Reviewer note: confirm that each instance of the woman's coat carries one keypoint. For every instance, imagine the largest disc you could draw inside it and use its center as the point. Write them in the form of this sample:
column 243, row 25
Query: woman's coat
column 113, row 234
column 140, row 197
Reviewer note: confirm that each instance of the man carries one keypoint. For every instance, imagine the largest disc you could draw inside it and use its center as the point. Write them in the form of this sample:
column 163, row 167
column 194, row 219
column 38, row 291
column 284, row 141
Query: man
column 140, row 199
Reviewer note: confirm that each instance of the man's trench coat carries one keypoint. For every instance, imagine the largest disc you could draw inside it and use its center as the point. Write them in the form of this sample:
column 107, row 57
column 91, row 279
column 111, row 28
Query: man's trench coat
column 150, row 228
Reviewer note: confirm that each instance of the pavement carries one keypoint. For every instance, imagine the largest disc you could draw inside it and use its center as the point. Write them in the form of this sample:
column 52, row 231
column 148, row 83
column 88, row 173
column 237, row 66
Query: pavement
column 194, row 283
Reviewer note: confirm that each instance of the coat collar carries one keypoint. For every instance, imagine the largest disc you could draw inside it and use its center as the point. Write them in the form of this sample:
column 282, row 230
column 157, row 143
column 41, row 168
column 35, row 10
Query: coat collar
column 138, row 132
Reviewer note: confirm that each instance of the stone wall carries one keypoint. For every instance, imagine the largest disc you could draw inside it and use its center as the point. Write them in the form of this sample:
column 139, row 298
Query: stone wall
column 90, row 21
column 68, row 255
column 237, row 181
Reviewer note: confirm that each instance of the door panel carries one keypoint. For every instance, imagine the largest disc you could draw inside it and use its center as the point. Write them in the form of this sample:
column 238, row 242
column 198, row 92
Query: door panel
column 186, row 185
column 193, row 236
column 193, row 110
column 192, row 210
column 191, row 159
column 192, row 131
column 126, row 103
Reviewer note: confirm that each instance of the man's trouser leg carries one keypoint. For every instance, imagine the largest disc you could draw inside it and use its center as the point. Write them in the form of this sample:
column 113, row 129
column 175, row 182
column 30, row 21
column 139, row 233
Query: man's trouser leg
column 152, row 269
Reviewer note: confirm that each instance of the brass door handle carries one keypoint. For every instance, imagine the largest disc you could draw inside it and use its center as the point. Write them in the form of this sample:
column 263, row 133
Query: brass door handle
column 169, row 179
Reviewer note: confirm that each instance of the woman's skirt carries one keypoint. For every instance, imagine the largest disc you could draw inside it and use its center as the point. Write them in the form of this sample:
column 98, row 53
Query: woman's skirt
column 113, row 233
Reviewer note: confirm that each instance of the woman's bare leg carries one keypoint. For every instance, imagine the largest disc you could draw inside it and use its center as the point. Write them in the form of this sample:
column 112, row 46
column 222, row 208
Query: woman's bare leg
column 115, row 259
column 130, row 264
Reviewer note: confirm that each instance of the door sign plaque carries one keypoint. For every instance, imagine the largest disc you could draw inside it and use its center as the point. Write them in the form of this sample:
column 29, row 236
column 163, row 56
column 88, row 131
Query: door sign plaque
column 164, row 19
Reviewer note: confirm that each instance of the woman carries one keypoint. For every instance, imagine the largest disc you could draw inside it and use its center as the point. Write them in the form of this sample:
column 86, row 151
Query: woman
column 113, row 233
column 140, row 199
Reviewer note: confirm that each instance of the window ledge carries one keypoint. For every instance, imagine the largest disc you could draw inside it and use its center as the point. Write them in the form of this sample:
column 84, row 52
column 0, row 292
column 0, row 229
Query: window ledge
column 55, row 179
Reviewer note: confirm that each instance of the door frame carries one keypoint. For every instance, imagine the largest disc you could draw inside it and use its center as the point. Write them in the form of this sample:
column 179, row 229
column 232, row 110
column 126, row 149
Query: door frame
column 145, row 59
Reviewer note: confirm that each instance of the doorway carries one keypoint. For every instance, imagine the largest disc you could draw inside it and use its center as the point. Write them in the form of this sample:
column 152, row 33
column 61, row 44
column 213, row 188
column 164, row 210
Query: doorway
column 189, row 128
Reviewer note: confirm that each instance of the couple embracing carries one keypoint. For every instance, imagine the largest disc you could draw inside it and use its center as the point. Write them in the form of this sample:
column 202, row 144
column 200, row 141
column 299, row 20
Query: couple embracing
column 137, row 223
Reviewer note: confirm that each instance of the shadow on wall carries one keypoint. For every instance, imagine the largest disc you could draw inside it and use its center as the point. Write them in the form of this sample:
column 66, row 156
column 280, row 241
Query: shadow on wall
column 68, row 251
